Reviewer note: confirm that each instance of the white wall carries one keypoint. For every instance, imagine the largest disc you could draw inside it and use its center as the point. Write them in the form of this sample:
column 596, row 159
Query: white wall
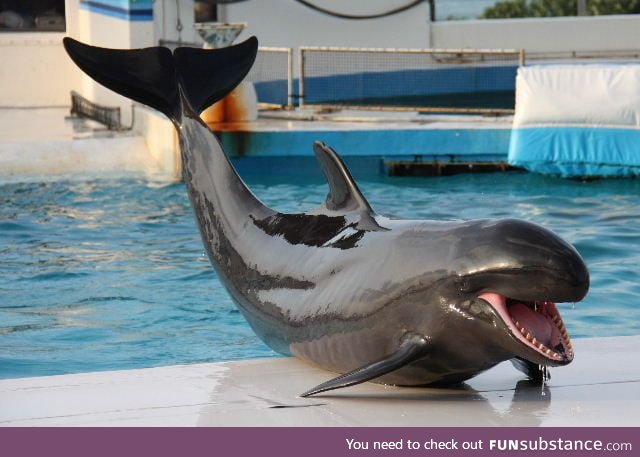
column 288, row 23
column 105, row 31
column 165, row 15
column 161, row 140
column 565, row 34
column 35, row 70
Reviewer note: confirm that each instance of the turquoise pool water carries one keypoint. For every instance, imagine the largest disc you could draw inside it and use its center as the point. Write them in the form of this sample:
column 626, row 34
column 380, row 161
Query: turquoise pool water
column 112, row 275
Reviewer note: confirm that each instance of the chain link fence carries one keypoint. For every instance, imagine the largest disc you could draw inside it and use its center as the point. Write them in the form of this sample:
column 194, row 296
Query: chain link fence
column 272, row 77
column 422, row 80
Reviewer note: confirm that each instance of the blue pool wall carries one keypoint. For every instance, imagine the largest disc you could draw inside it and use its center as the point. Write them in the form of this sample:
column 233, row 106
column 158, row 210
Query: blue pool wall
column 410, row 83
column 365, row 151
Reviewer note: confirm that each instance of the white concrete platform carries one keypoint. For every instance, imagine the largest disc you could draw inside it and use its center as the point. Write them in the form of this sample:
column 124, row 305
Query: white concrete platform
column 42, row 144
column 600, row 388
column 307, row 119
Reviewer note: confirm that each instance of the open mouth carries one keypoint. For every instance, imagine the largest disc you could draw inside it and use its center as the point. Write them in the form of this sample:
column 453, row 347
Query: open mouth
column 537, row 325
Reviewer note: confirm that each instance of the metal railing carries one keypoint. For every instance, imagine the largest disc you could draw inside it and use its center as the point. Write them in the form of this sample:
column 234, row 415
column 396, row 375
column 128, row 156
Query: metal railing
column 108, row 116
column 625, row 55
column 419, row 80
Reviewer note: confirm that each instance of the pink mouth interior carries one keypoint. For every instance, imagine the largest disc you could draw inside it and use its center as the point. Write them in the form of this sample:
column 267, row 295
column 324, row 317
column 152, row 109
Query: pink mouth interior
column 538, row 325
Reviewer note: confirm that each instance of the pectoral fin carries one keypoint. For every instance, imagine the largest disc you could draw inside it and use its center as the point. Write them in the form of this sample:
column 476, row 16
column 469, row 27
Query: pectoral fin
column 412, row 348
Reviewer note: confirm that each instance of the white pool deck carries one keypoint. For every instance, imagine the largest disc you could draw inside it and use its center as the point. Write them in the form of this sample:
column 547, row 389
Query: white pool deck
column 44, row 144
column 600, row 388
column 308, row 119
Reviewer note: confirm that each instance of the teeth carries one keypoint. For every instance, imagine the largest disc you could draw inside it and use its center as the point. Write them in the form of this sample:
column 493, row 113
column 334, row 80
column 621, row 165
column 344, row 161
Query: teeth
column 555, row 355
column 540, row 346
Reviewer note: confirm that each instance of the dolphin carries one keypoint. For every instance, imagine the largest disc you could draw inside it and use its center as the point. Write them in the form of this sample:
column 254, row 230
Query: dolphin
column 403, row 302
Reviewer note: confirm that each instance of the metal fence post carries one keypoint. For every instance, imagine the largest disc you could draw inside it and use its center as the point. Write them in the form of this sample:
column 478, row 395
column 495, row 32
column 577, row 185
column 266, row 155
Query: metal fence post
column 290, row 78
column 301, row 76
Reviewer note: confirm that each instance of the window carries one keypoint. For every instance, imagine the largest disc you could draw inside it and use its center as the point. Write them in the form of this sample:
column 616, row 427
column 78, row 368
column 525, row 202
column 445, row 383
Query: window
column 205, row 11
column 32, row 16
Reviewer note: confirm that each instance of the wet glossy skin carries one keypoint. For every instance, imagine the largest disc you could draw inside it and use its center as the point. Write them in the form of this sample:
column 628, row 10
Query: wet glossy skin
column 341, row 288
column 388, row 300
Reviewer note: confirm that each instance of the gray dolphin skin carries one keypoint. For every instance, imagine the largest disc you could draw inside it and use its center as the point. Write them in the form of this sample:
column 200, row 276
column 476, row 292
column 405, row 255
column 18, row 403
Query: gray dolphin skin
column 404, row 302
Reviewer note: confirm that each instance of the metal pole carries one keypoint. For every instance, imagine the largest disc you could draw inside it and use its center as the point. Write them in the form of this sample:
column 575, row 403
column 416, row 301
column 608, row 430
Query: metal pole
column 521, row 59
column 290, row 78
column 301, row 80
column 410, row 50
column 582, row 8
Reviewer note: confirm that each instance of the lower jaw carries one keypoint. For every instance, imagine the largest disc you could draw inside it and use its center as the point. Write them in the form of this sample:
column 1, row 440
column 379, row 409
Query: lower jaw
column 552, row 346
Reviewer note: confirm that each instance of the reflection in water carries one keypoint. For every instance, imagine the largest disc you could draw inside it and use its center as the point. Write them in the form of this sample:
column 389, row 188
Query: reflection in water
column 462, row 405
column 268, row 401
column 532, row 397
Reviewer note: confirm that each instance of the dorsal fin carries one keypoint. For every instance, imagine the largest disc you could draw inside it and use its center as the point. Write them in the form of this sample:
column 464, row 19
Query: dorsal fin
column 344, row 194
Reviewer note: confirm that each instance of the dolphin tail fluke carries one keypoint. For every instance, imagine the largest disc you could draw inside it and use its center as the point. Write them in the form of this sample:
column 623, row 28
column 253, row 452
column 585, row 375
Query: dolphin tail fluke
column 164, row 80
column 145, row 75
column 207, row 75
column 412, row 348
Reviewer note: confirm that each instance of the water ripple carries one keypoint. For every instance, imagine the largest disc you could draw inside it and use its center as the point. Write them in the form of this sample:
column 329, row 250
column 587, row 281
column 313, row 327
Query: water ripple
column 111, row 274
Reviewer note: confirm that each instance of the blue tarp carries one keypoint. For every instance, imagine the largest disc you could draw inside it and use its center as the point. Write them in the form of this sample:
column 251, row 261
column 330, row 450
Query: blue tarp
column 576, row 151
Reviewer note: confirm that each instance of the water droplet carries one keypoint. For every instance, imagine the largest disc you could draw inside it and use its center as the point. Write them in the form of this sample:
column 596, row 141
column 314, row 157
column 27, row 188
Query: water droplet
column 545, row 377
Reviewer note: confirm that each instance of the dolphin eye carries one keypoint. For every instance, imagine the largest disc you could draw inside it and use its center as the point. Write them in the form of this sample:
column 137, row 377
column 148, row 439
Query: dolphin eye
column 464, row 285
